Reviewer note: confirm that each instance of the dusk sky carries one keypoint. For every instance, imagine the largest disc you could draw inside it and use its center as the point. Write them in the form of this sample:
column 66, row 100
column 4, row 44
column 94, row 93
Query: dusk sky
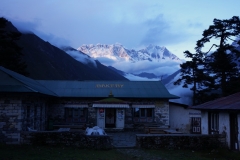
column 175, row 24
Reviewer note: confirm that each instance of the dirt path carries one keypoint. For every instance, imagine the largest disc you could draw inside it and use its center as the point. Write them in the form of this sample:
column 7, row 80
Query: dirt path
column 139, row 154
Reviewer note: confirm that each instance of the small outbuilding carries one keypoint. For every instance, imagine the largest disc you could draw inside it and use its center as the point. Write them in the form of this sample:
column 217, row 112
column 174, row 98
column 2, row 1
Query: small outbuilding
column 184, row 119
column 222, row 116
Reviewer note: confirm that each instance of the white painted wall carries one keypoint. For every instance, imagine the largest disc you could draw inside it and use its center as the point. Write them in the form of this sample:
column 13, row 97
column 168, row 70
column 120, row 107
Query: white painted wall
column 224, row 125
column 204, row 119
column 120, row 113
column 238, row 130
column 180, row 117
column 161, row 112
column 101, row 119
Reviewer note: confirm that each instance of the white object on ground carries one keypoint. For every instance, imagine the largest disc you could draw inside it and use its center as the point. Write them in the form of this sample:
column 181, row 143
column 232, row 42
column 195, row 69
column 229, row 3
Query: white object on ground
column 95, row 131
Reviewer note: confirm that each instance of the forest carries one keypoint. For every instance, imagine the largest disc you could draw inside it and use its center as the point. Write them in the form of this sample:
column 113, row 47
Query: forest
column 214, row 72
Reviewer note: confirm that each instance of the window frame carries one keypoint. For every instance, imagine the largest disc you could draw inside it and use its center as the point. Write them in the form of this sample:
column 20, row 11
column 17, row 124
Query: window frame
column 141, row 114
column 213, row 123
column 76, row 113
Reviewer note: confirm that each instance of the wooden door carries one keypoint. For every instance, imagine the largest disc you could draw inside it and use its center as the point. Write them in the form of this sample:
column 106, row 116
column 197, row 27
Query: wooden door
column 110, row 118
column 196, row 125
column 234, row 132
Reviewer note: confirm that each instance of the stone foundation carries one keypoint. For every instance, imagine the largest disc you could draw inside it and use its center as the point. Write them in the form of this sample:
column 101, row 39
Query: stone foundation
column 183, row 141
column 75, row 139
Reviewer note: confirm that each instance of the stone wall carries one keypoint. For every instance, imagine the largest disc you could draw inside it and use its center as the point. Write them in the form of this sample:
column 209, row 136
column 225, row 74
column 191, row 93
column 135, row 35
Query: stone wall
column 162, row 112
column 181, row 141
column 75, row 139
column 10, row 120
column 34, row 114
column 17, row 113
column 92, row 116
column 56, row 113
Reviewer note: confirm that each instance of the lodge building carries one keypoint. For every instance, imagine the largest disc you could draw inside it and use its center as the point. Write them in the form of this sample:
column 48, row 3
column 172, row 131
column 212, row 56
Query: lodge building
column 109, row 104
column 42, row 104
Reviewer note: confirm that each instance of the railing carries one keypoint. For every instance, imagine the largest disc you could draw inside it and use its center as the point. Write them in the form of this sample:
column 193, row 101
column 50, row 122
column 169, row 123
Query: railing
column 154, row 128
column 71, row 127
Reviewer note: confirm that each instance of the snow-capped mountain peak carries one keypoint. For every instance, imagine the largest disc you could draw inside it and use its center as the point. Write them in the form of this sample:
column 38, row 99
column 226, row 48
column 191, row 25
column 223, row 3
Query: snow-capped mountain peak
column 152, row 59
column 114, row 52
column 118, row 52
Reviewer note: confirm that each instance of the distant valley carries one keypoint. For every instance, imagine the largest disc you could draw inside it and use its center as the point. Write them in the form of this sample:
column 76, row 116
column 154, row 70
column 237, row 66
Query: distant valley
column 100, row 62
column 152, row 62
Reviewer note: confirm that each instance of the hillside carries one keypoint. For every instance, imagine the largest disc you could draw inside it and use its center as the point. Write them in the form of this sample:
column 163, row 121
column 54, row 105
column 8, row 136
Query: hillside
column 45, row 61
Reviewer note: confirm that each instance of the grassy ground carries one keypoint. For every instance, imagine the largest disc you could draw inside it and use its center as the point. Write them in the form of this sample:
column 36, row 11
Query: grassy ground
column 68, row 153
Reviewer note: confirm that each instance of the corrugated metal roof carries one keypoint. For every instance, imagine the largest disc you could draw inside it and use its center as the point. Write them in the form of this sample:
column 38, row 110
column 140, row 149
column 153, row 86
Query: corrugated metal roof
column 110, row 105
column 111, row 100
column 14, row 88
column 13, row 82
column 76, row 106
column 231, row 102
column 101, row 89
column 143, row 106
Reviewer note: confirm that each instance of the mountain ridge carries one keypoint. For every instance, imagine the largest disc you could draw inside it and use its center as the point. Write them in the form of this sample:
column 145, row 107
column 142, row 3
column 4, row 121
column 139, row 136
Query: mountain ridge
column 115, row 51
column 150, row 62
column 47, row 62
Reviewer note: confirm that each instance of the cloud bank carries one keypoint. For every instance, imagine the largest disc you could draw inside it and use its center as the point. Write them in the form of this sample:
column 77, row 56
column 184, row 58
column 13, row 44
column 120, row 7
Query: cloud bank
column 83, row 58
column 158, row 68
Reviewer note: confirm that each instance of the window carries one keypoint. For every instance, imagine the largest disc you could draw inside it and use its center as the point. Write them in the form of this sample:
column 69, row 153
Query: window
column 149, row 112
column 28, row 113
column 69, row 112
column 213, row 123
column 136, row 112
column 143, row 114
column 76, row 114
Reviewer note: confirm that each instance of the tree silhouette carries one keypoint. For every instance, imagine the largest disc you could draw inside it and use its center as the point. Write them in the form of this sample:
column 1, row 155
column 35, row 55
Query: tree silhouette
column 222, row 64
column 193, row 73
column 10, row 52
column 211, row 74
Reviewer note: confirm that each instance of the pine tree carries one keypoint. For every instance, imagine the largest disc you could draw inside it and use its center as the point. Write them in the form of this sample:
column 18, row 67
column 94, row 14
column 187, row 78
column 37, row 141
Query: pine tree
column 192, row 73
column 221, row 64
column 10, row 52
column 214, row 74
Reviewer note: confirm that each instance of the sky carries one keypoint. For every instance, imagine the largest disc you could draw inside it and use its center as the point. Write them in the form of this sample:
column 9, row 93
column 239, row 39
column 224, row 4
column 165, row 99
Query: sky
column 175, row 24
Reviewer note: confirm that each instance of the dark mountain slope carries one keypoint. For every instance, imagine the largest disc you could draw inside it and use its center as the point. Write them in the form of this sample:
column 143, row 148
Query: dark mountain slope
column 46, row 61
column 116, row 70
column 170, row 77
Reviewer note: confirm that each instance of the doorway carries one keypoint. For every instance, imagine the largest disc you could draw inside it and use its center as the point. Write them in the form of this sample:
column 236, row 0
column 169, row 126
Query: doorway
column 233, row 131
column 196, row 125
column 110, row 118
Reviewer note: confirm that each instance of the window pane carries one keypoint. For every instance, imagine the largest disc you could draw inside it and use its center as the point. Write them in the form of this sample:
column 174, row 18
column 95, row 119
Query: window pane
column 136, row 112
column 214, row 122
column 68, row 112
column 149, row 112
column 81, row 112
column 143, row 112
column 75, row 112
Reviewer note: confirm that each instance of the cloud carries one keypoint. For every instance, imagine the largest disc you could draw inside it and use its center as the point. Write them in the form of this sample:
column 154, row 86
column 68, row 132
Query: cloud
column 26, row 26
column 158, row 68
column 132, row 77
column 163, row 31
column 185, row 94
column 195, row 25
column 83, row 58
column 106, row 61
column 33, row 27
